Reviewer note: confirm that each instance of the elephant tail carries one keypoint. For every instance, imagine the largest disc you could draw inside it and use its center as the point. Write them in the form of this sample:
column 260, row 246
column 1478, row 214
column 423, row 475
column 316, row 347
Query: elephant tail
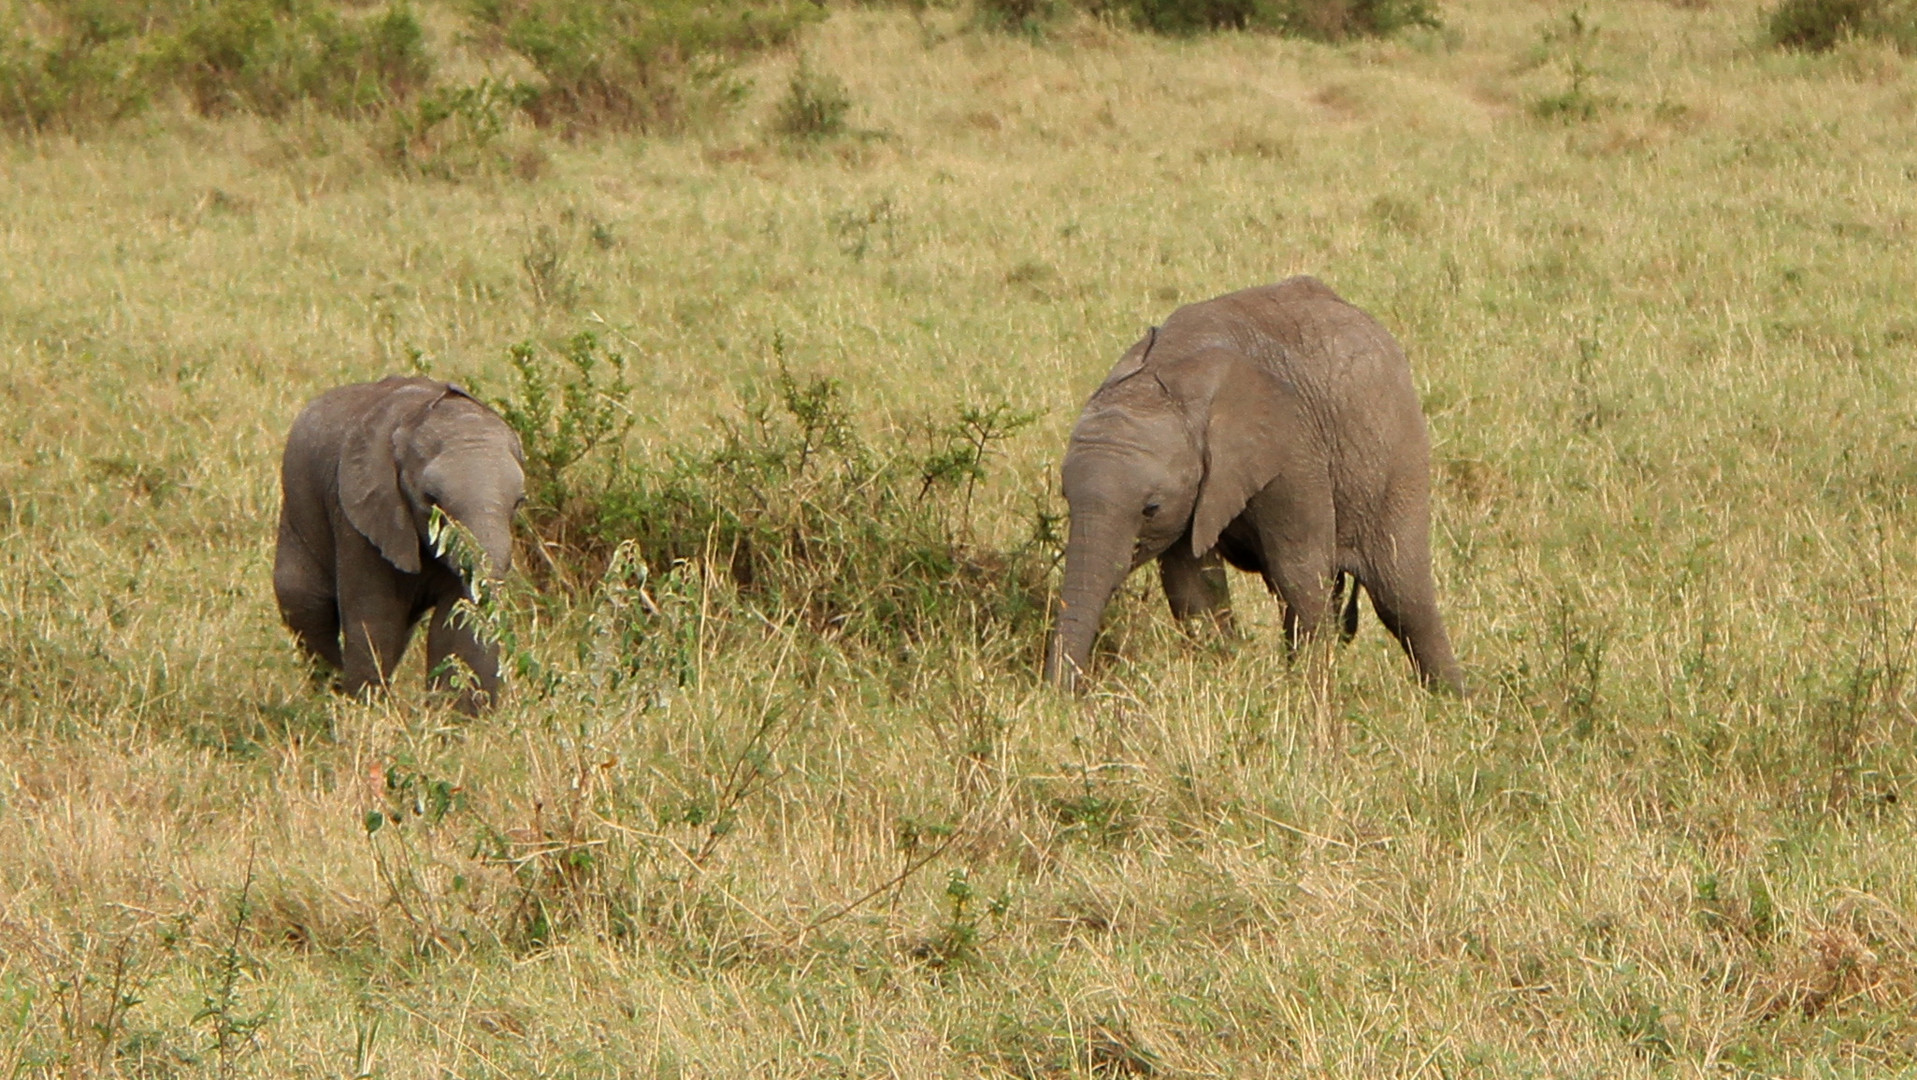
column 1348, row 621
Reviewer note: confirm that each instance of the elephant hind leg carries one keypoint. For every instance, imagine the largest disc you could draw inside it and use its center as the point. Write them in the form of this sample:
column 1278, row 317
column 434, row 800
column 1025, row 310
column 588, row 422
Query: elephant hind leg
column 307, row 604
column 314, row 621
column 1405, row 598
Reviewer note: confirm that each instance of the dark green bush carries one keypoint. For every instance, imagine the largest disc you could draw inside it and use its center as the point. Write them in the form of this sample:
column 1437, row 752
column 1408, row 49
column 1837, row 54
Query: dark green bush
column 85, row 70
column 631, row 64
column 1818, row 25
column 1028, row 17
column 636, row 64
column 1336, row 20
column 1322, row 20
column 264, row 55
column 94, row 61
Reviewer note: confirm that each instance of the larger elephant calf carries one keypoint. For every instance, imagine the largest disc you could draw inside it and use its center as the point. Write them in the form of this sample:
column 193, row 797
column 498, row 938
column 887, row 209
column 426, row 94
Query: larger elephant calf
column 1275, row 429
column 365, row 466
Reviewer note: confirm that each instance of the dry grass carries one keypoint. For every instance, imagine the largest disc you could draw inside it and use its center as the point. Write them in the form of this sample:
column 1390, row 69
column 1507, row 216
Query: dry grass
column 1665, row 345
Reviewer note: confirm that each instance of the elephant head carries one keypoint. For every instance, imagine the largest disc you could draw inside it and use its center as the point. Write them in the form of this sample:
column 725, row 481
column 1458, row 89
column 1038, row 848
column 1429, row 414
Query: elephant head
column 438, row 448
column 1160, row 458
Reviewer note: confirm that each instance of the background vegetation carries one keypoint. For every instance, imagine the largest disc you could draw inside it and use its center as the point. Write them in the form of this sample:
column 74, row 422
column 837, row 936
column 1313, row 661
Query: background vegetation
column 795, row 346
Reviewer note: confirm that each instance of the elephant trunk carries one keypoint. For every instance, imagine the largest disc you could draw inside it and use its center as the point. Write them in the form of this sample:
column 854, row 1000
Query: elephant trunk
column 490, row 528
column 1098, row 556
column 496, row 543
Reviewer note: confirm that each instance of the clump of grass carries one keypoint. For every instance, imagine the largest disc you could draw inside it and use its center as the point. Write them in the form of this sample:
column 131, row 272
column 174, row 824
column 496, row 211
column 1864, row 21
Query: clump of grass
column 1820, row 25
column 1026, row 17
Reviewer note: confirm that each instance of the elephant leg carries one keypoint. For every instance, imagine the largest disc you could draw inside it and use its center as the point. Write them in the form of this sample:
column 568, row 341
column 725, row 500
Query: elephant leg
column 376, row 616
column 450, row 638
column 1297, row 530
column 1406, row 600
column 1196, row 585
column 376, row 631
column 307, row 604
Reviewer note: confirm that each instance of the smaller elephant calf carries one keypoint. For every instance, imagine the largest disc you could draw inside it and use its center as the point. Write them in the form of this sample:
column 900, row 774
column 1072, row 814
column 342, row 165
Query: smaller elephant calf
column 364, row 468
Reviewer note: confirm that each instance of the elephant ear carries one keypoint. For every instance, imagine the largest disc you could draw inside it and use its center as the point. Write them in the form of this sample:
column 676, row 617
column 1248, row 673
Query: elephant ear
column 512, row 437
column 1244, row 443
column 369, row 488
column 1132, row 362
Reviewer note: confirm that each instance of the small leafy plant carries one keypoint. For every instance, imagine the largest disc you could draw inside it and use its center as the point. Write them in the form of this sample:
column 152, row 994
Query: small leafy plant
column 563, row 418
column 1574, row 40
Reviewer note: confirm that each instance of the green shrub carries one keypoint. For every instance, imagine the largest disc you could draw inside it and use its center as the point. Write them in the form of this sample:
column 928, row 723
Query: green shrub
column 636, row 64
column 811, row 522
column 1819, row 25
column 452, row 132
column 561, row 420
column 814, row 521
column 1574, row 40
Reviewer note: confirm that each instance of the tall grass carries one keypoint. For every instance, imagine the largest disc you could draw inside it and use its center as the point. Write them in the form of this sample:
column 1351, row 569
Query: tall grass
column 776, row 791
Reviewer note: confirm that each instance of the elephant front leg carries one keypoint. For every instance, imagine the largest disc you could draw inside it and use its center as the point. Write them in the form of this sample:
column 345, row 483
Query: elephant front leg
column 375, row 629
column 1297, row 541
column 1196, row 585
column 376, row 618
column 451, row 641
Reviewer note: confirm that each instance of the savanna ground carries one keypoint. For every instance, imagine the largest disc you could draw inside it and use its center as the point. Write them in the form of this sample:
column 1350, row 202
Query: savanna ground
column 1657, row 283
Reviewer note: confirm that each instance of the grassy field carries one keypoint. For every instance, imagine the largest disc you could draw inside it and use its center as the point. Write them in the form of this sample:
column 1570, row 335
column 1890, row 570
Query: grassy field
column 1658, row 287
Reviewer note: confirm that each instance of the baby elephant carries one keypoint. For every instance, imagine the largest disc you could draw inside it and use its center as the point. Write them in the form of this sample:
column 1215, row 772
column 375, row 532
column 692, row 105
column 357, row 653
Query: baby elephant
column 1275, row 429
column 364, row 467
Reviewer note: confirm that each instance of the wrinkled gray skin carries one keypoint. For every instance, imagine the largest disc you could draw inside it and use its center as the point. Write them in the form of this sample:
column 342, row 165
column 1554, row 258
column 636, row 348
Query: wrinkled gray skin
column 364, row 466
column 1275, row 429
